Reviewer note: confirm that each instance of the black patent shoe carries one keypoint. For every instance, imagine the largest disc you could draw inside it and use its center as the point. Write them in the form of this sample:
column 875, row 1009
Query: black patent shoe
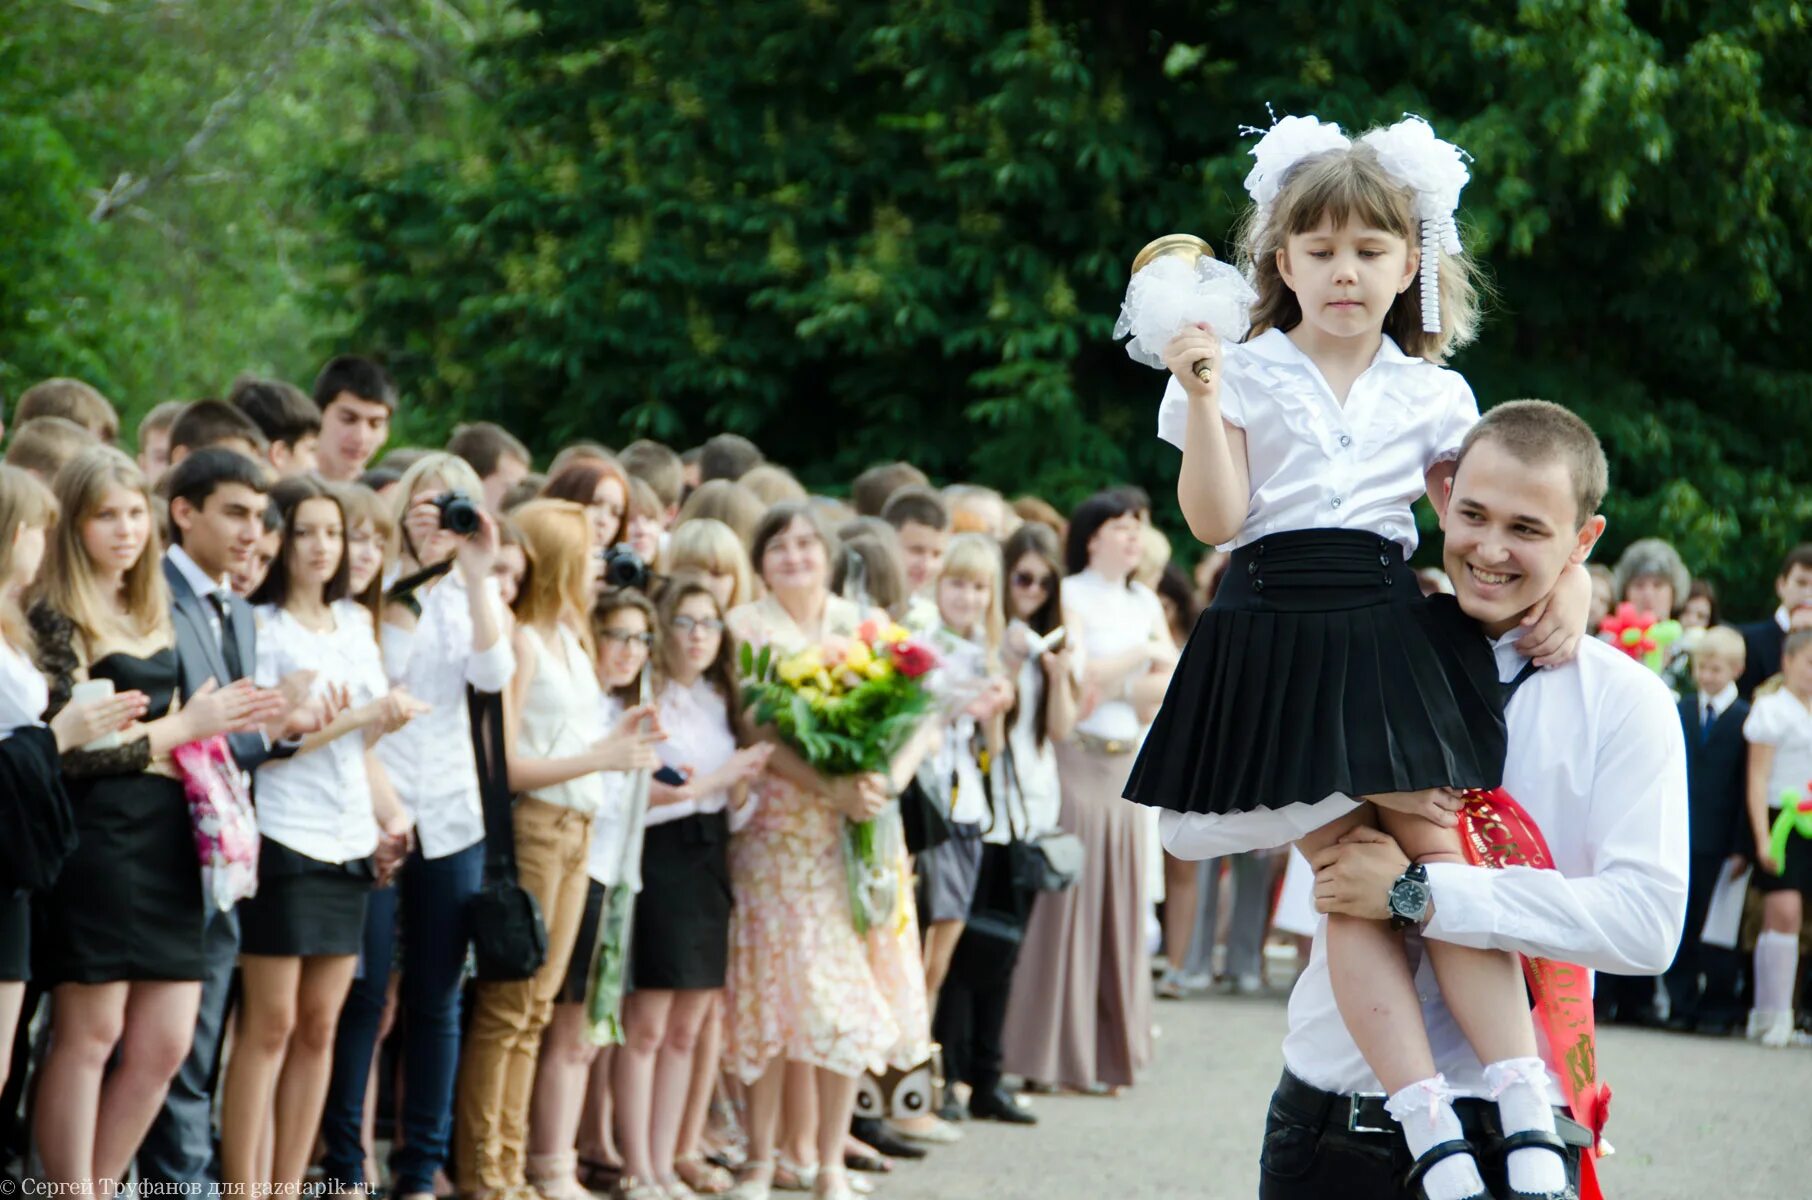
column 1440, row 1151
column 1536, row 1139
column 997, row 1104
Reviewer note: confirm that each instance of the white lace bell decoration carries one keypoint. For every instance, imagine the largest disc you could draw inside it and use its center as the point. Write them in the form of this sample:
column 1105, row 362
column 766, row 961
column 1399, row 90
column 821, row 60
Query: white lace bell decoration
column 1177, row 282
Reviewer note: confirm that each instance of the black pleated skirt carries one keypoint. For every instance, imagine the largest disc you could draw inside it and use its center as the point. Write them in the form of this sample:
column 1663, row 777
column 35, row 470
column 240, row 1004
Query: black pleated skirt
column 681, row 936
column 1796, row 872
column 15, row 937
column 304, row 907
column 1321, row 668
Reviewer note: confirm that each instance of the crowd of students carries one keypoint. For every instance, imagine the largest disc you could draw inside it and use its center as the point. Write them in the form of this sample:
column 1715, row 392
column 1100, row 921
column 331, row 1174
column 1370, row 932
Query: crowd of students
column 398, row 649
column 393, row 652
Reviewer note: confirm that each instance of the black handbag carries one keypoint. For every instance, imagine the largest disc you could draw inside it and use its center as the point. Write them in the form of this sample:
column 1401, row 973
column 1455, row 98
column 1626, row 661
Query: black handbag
column 1049, row 862
column 509, row 934
column 923, row 820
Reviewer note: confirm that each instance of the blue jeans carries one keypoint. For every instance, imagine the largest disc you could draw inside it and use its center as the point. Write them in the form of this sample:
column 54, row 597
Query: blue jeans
column 430, row 898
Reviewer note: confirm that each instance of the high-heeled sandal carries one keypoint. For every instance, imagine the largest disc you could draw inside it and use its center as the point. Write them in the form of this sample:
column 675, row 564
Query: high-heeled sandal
column 755, row 1181
column 702, row 1177
column 833, row 1183
column 790, row 1176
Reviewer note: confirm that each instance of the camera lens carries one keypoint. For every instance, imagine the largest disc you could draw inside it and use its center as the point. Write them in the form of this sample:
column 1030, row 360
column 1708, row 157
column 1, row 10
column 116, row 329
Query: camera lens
column 458, row 514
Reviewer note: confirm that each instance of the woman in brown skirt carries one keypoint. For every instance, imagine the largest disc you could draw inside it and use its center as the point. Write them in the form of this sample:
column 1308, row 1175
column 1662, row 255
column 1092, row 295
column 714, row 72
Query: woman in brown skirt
column 1080, row 1016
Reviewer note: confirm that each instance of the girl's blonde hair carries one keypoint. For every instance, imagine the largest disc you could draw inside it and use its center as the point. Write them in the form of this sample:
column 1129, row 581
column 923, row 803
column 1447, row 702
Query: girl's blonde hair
column 976, row 558
column 67, row 582
column 453, row 471
column 556, row 541
column 1352, row 185
column 707, row 544
column 25, row 503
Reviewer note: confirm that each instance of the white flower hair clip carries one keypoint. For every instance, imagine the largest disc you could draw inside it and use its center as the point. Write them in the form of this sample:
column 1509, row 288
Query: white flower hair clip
column 1409, row 152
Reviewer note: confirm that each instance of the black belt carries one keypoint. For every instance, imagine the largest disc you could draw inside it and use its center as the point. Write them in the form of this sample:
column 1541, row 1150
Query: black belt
column 1364, row 1113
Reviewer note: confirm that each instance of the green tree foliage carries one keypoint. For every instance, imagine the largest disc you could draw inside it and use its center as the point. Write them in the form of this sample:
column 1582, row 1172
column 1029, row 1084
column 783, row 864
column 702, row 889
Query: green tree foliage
column 870, row 228
column 155, row 169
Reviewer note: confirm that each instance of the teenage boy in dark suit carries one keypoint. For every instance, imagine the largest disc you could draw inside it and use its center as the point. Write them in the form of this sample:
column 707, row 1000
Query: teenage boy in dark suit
column 1762, row 639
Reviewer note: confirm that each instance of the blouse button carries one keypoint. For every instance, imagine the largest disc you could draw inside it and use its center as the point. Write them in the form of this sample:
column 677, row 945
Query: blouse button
column 1345, row 440
column 1335, row 503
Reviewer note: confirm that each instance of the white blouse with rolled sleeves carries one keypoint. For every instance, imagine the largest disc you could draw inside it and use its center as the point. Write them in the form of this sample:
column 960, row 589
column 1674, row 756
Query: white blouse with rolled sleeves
column 1780, row 720
column 318, row 803
column 616, row 829
column 699, row 738
column 430, row 760
column 1114, row 618
column 1318, row 464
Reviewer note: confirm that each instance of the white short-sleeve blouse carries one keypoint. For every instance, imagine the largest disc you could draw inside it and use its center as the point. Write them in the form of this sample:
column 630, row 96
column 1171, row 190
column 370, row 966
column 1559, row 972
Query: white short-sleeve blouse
column 1318, row 464
column 1781, row 721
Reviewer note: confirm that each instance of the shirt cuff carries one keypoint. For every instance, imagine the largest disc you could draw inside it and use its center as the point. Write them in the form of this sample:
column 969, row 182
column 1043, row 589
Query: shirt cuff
column 1463, row 912
column 490, row 669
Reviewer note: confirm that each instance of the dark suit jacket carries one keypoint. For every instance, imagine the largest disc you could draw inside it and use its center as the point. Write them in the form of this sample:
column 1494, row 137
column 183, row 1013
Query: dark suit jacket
column 1762, row 661
column 1717, row 772
column 198, row 653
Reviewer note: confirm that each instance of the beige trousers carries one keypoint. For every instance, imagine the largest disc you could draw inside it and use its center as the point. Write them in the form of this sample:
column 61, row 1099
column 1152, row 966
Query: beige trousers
column 497, row 1068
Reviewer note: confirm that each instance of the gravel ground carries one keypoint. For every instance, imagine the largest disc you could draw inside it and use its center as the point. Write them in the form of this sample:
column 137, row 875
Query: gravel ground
column 1192, row 1127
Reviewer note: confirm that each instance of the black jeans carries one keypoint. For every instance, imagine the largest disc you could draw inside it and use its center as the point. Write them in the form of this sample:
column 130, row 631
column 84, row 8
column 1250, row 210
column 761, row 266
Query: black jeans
column 972, row 1006
column 1310, row 1154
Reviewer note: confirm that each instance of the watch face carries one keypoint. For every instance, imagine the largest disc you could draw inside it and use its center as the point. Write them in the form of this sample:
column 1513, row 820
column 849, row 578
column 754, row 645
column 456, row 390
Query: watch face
column 1409, row 899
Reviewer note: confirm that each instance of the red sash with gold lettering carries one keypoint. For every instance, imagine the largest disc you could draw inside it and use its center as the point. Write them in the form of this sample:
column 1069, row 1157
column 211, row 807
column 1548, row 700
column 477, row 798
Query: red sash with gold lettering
column 1496, row 831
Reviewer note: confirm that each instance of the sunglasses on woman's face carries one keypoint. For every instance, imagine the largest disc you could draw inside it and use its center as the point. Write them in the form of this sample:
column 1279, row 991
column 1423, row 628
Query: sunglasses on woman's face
column 624, row 637
column 1026, row 579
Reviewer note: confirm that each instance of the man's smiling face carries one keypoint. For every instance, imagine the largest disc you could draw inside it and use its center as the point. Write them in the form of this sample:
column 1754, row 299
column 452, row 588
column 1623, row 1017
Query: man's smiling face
column 1511, row 529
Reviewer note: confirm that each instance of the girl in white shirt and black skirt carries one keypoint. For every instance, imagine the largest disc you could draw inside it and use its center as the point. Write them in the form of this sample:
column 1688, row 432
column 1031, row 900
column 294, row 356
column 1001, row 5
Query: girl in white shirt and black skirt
column 320, row 821
column 1320, row 669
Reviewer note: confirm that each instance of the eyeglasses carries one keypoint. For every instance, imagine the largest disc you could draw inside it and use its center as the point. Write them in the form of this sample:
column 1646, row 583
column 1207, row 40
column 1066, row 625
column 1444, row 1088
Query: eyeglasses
column 623, row 637
column 685, row 625
column 1027, row 579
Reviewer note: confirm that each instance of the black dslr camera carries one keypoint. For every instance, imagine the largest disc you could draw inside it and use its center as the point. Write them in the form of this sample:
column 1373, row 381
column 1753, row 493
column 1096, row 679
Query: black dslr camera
column 457, row 513
column 624, row 568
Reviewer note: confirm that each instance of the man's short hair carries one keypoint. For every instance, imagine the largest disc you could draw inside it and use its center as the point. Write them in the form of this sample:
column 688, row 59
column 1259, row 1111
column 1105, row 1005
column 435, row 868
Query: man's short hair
column 209, row 422
column 402, row 458
column 484, row 444
column 360, row 376
column 201, row 473
column 875, row 486
column 1799, row 556
column 163, row 414
column 44, row 444
column 1535, row 432
column 72, row 400
column 282, row 411
column 1723, row 642
column 659, row 465
column 917, row 504
column 728, row 456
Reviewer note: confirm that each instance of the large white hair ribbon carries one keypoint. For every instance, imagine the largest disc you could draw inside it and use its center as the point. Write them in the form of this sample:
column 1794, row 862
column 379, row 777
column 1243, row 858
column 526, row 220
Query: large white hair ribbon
column 1434, row 170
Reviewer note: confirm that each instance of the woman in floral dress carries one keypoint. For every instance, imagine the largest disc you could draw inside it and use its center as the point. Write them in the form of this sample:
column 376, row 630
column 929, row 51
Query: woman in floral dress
column 801, row 985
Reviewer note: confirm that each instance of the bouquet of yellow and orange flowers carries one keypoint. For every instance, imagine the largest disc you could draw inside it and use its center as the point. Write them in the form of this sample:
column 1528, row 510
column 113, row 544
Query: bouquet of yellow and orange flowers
column 847, row 705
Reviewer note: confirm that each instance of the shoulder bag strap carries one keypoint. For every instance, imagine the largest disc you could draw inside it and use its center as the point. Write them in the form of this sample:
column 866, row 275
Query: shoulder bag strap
column 486, row 709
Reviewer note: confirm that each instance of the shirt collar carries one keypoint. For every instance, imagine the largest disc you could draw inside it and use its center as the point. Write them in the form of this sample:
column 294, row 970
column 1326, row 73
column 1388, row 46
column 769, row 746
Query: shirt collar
column 193, row 575
column 1783, row 618
column 1509, row 660
column 1275, row 345
column 1720, row 702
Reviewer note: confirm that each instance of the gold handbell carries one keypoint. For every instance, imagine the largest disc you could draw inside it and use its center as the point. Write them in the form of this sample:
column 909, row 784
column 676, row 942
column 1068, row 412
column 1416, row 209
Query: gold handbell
column 1189, row 248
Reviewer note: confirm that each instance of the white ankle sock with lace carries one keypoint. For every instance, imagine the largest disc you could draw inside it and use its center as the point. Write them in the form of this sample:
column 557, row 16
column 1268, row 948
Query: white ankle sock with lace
column 1425, row 1110
column 1524, row 1102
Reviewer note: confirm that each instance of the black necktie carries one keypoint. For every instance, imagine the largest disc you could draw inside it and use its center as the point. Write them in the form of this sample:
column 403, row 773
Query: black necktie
column 1711, row 715
column 229, row 644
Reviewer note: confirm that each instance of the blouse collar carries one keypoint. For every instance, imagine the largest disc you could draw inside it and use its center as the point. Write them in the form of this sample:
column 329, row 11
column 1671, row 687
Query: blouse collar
column 1276, row 346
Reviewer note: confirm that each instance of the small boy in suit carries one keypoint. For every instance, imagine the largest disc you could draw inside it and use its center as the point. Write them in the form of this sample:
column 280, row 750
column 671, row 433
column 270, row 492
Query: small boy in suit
column 1712, row 716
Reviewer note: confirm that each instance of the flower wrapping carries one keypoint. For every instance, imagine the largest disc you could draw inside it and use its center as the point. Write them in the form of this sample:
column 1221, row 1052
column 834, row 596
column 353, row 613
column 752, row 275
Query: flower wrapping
column 846, row 706
column 226, row 830
column 1169, row 294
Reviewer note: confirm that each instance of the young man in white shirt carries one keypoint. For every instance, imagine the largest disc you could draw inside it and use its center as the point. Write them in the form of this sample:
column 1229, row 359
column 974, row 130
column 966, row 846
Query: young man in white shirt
column 1595, row 756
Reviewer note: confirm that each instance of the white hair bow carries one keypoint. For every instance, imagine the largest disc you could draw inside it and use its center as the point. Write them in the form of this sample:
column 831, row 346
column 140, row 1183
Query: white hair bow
column 1410, row 153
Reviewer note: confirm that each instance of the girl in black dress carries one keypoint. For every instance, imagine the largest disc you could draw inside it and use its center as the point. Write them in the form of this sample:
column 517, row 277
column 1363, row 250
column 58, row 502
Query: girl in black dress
column 119, row 936
column 35, row 810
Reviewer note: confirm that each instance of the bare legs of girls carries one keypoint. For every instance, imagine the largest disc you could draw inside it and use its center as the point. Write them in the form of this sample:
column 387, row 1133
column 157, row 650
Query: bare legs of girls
column 562, row 1076
column 654, row 1076
column 1375, row 990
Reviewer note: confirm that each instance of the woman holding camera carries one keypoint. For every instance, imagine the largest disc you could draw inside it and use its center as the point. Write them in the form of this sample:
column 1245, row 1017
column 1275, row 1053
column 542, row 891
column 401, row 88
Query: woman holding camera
column 442, row 636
